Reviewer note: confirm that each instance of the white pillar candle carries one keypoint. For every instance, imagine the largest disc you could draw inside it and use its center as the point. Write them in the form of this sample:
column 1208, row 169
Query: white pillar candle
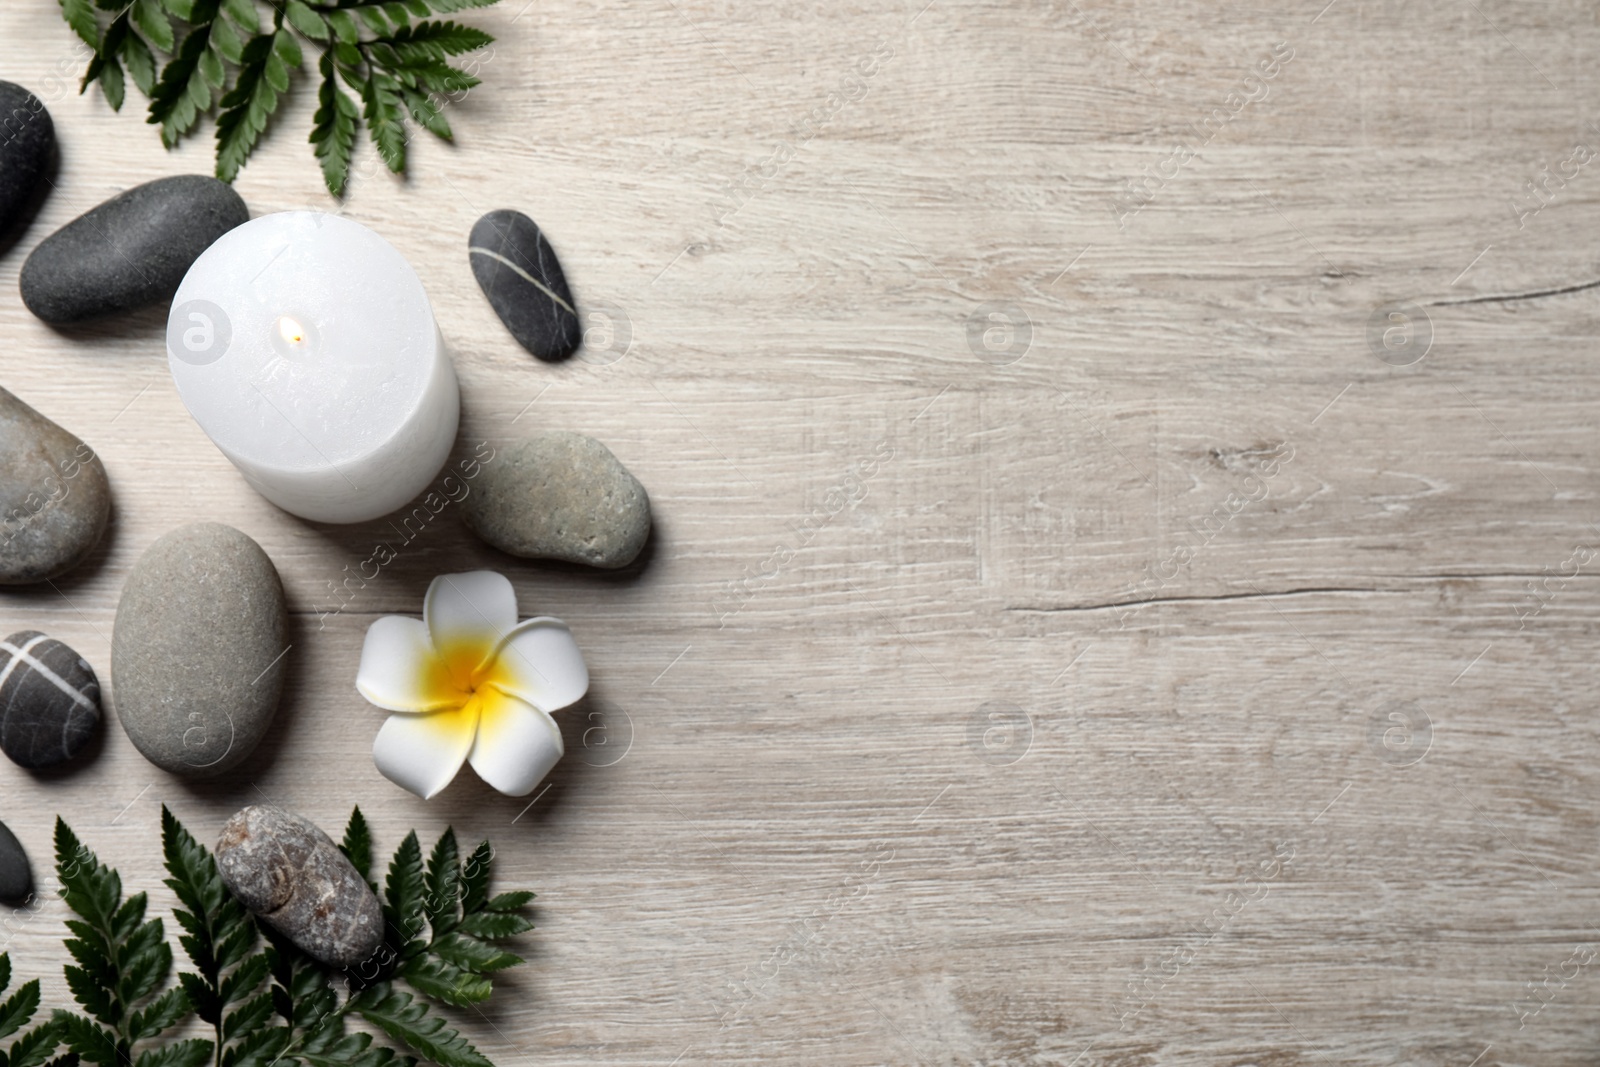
column 304, row 346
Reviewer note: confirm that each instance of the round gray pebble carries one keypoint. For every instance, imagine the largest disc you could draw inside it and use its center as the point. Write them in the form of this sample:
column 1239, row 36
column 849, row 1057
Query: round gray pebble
column 55, row 499
column 560, row 495
column 283, row 868
column 197, row 652
column 49, row 700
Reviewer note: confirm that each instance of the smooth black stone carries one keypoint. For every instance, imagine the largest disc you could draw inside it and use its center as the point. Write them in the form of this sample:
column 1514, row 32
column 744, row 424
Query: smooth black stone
column 519, row 273
column 49, row 700
column 27, row 137
column 131, row 251
column 16, row 877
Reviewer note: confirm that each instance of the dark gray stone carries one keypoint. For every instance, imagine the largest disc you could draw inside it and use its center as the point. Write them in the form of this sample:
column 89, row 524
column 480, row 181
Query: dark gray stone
column 197, row 652
column 27, row 138
column 286, row 870
column 55, row 499
column 519, row 273
column 49, row 700
column 131, row 251
column 560, row 495
column 16, row 877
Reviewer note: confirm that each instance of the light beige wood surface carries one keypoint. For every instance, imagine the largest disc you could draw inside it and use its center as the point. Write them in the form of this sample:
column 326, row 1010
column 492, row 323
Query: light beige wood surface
column 1200, row 557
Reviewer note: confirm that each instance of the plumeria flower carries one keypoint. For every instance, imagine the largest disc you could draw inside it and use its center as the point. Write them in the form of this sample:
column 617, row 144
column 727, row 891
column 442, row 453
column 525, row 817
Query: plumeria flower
column 468, row 683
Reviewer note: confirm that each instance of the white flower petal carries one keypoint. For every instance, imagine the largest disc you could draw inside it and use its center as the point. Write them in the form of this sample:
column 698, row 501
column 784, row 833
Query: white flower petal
column 516, row 745
column 540, row 663
column 467, row 614
column 422, row 753
column 399, row 670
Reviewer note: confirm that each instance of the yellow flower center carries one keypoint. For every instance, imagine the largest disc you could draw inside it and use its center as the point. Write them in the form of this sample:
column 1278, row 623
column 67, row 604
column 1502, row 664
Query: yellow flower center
column 457, row 680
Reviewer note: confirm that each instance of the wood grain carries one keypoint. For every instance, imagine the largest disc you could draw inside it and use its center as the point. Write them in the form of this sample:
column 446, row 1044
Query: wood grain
column 966, row 712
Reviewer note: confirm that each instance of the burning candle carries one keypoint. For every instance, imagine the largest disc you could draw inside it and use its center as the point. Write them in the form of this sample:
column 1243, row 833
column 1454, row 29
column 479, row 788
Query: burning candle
column 305, row 347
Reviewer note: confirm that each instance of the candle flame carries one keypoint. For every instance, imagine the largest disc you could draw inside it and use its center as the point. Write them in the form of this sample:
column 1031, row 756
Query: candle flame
column 291, row 331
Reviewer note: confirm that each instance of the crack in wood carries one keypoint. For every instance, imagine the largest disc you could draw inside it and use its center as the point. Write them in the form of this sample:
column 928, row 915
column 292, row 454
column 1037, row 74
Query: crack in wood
column 1534, row 294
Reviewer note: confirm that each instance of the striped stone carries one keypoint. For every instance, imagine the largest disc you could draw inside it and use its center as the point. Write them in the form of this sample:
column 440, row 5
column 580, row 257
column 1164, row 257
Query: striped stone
column 518, row 271
column 49, row 700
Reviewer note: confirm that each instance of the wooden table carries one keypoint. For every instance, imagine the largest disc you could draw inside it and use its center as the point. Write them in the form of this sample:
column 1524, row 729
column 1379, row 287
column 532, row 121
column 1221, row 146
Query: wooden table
column 1125, row 527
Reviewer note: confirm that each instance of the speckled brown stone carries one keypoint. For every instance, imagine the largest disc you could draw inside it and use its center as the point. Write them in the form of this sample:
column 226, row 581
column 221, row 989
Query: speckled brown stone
column 286, row 870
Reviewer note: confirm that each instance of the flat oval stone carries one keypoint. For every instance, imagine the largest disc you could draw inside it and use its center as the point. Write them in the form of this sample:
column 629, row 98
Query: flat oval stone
column 27, row 139
column 197, row 652
column 286, row 870
column 49, row 700
column 560, row 495
column 518, row 271
column 130, row 251
column 16, row 876
column 55, row 499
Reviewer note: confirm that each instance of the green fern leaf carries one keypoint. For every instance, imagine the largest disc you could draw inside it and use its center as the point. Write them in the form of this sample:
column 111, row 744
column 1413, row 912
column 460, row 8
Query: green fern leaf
column 357, row 844
column 263, row 1048
column 472, row 955
column 403, row 1018
column 475, row 873
column 435, row 40
column 404, row 888
column 80, row 16
column 385, row 123
column 343, row 26
column 445, row 981
column 243, row 15
column 202, row 997
column 140, row 61
column 164, row 1012
column 91, row 995
column 494, row 925
column 334, row 135
column 244, row 980
column 187, row 86
column 307, row 21
column 191, row 1053
column 93, row 1043
column 227, row 41
column 428, row 115
column 89, row 887
column 34, row 1047
column 20, row 1006
column 442, row 901
column 510, row 901
column 111, row 83
column 253, row 1015
column 152, row 21
column 245, row 109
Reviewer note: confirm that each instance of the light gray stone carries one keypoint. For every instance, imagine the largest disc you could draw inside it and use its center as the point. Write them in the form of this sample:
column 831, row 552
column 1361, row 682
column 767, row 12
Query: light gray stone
column 55, row 499
column 560, row 495
column 286, row 870
column 198, row 651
